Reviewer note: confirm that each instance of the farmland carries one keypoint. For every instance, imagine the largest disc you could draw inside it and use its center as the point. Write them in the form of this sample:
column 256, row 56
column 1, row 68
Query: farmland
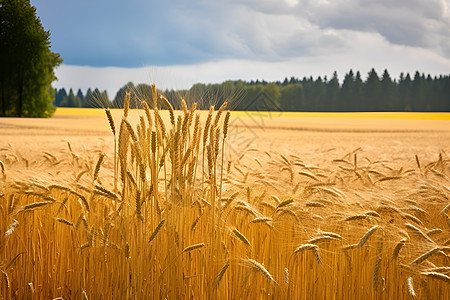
column 155, row 204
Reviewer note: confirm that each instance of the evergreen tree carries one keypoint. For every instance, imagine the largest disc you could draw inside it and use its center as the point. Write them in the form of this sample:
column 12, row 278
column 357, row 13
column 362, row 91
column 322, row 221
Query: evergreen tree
column 445, row 94
column 71, row 100
column 372, row 92
column 292, row 97
column 60, row 94
column 357, row 101
column 319, row 94
column 101, row 99
column 347, row 92
column 89, row 100
column 418, row 98
column 388, row 93
column 404, row 92
column 80, row 95
column 332, row 93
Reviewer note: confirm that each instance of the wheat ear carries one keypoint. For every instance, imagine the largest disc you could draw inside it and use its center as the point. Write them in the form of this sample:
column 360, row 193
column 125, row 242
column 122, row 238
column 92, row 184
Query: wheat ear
column 364, row 239
column 257, row 267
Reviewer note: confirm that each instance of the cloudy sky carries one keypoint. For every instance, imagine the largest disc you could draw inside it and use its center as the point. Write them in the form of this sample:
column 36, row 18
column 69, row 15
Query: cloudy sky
column 106, row 43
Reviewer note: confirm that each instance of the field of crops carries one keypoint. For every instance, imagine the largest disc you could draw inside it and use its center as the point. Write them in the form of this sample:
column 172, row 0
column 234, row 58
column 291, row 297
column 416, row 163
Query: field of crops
column 188, row 204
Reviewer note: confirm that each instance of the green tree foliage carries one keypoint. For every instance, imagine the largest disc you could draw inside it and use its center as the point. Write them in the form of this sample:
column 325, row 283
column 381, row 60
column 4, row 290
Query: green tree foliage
column 357, row 100
column 418, row 91
column 333, row 90
column 80, row 95
column 347, row 89
column 388, row 93
column 26, row 62
column 71, row 100
column 89, row 99
column 372, row 91
column 120, row 96
column 292, row 97
column 59, row 96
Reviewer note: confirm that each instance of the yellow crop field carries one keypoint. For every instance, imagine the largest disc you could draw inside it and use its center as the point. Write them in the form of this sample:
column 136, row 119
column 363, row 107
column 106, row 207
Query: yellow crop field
column 158, row 203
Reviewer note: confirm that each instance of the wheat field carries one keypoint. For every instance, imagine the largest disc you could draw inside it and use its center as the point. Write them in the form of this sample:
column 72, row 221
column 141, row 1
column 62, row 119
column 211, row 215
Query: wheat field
column 163, row 203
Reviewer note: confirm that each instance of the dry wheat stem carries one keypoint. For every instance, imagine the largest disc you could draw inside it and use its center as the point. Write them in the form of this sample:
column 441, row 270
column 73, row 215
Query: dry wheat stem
column 241, row 236
column 410, row 288
column 425, row 256
column 364, row 239
column 257, row 267
column 157, row 229
column 438, row 276
column 193, row 247
column 221, row 273
column 397, row 249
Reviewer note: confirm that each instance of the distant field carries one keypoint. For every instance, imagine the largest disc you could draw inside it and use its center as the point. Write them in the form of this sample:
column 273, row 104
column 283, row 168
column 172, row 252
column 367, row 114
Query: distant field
column 63, row 111
column 288, row 206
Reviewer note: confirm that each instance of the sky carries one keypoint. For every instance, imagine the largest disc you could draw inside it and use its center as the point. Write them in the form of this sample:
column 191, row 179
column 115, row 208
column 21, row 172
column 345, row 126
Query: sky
column 107, row 43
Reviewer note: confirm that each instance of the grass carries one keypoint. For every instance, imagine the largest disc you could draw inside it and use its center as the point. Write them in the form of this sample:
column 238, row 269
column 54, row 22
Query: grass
column 165, row 216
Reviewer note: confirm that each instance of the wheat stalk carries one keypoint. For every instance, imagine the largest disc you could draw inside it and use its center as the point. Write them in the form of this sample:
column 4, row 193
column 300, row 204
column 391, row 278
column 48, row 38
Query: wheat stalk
column 170, row 108
column 157, row 229
column 35, row 205
column 410, row 288
column 241, row 236
column 366, row 236
column 438, row 276
column 98, row 165
column 425, row 256
column 305, row 247
column 64, row 221
column 397, row 249
column 126, row 104
column 193, row 247
column 323, row 238
column 332, row 234
column 257, row 267
column 221, row 273
column 110, row 121
column 418, row 231
column 376, row 272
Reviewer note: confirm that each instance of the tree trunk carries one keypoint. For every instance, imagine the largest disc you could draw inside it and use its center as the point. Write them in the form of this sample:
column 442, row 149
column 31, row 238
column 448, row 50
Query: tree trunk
column 20, row 102
column 3, row 98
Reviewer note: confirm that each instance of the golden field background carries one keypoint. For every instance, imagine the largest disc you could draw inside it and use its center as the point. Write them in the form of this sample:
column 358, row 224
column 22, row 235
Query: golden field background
column 313, row 206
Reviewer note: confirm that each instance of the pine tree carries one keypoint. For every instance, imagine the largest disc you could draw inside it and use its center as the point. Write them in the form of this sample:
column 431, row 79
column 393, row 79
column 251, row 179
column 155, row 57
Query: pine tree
column 387, row 93
column 71, row 100
column 372, row 92
column 89, row 100
column 418, row 92
column 347, row 92
column 357, row 100
column 332, row 94
column 60, row 94
column 80, row 95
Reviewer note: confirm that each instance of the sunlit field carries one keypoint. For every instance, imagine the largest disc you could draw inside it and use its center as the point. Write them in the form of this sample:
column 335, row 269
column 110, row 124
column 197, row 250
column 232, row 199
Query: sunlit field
column 189, row 204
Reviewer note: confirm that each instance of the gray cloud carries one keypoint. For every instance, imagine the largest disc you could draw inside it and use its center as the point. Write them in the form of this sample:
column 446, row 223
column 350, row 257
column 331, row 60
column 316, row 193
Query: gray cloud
column 138, row 33
column 416, row 23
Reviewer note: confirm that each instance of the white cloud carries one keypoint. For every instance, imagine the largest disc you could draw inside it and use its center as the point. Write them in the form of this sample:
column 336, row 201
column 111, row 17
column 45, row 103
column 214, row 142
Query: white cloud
column 180, row 32
column 212, row 41
column 366, row 50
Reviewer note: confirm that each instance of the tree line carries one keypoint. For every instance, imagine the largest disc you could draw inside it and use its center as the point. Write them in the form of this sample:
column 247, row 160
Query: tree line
column 374, row 93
